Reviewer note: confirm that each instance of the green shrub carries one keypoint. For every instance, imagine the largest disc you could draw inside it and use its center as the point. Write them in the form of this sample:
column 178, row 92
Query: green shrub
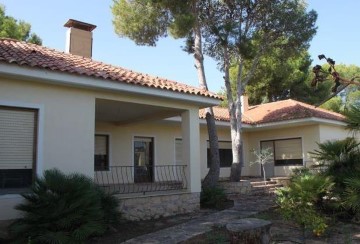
column 342, row 158
column 299, row 172
column 300, row 201
column 351, row 196
column 63, row 209
column 213, row 198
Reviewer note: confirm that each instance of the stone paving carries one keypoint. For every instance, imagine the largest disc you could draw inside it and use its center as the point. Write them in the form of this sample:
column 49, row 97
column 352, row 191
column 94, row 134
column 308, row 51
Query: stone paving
column 244, row 206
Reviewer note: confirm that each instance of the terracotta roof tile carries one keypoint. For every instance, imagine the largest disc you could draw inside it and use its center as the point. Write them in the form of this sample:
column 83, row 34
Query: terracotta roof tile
column 27, row 54
column 276, row 112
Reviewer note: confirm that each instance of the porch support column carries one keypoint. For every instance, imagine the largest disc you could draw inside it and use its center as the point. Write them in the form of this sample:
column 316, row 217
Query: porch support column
column 191, row 148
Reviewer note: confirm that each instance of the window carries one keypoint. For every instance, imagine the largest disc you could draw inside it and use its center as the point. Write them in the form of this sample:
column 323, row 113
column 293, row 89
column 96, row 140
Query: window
column 101, row 152
column 18, row 136
column 225, row 154
column 178, row 151
column 286, row 151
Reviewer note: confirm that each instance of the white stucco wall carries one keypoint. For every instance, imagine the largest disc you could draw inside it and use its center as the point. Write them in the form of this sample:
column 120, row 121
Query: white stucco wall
column 67, row 119
column 223, row 135
column 309, row 135
column 332, row 132
column 165, row 135
column 67, row 128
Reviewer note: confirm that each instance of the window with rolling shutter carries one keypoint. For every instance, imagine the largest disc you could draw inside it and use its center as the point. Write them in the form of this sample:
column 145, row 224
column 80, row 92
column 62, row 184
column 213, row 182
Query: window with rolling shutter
column 101, row 152
column 18, row 136
column 286, row 151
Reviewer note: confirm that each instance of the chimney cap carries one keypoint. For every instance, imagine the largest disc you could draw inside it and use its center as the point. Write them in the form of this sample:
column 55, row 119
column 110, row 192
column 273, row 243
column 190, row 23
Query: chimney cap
column 79, row 25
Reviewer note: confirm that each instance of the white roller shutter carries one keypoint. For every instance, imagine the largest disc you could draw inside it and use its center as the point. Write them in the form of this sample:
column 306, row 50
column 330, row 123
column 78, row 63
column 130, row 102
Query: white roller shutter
column 288, row 149
column 100, row 145
column 17, row 138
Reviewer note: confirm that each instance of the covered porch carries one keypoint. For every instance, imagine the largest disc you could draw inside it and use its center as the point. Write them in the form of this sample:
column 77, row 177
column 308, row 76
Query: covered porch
column 136, row 151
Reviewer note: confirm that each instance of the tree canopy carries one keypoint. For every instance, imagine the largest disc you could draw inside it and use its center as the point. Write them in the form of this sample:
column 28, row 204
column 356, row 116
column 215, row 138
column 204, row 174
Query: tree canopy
column 243, row 32
column 240, row 32
column 349, row 96
column 16, row 29
column 280, row 76
column 145, row 21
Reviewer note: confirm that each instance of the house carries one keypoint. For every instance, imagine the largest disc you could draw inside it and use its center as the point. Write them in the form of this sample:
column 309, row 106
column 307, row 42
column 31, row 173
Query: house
column 139, row 136
column 290, row 128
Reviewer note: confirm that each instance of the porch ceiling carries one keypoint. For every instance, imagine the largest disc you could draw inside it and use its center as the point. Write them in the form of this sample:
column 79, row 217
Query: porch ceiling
column 128, row 113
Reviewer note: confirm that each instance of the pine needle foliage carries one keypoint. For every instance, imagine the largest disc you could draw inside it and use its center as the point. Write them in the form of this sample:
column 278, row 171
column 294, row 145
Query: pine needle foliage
column 63, row 209
column 353, row 118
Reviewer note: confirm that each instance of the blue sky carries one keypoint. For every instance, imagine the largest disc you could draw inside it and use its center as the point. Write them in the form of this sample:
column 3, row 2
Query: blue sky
column 338, row 37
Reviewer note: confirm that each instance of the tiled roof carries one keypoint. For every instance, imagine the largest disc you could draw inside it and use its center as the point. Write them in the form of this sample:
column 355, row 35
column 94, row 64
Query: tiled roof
column 222, row 114
column 277, row 111
column 31, row 55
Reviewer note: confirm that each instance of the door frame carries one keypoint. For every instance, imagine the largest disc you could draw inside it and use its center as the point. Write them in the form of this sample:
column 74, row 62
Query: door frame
column 134, row 139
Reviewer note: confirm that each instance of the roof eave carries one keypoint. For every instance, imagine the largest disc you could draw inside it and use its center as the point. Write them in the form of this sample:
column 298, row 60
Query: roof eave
column 297, row 122
column 290, row 123
column 55, row 77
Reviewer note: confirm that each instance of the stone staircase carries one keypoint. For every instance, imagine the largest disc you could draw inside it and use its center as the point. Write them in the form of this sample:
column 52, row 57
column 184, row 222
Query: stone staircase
column 258, row 187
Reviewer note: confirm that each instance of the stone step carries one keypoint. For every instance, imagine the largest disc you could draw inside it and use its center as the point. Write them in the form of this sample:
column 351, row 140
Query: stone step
column 267, row 186
column 255, row 183
column 263, row 192
column 264, row 189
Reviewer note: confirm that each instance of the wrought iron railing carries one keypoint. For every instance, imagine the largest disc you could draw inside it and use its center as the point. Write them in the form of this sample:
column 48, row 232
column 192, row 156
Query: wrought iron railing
column 142, row 179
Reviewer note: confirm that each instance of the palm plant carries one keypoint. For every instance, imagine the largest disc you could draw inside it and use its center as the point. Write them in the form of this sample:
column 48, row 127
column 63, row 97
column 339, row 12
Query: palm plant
column 351, row 198
column 63, row 209
column 353, row 117
column 330, row 151
column 300, row 201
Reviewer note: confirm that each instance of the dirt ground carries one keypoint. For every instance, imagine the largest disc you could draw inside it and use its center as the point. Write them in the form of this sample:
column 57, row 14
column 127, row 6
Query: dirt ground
column 281, row 231
column 126, row 230
column 287, row 232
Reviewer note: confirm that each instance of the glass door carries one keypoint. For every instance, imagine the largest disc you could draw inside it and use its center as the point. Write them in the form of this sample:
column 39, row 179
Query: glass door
column 143, row 159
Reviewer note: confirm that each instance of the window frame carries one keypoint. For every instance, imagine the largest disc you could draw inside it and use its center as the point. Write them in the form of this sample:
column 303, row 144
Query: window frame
column 107, row 168
column 228, row 165
column 35, row 140
column 286, row 162
column 176, row 160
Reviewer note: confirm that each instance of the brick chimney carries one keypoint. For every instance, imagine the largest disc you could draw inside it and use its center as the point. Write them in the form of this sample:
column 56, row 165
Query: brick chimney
column 244, row 103
column 79, row 38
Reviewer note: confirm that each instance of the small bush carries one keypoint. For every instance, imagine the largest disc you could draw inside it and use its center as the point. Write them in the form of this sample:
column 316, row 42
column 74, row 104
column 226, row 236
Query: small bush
column 299, row 172
column 213, row 198
column 300, row 201
column 63, row 209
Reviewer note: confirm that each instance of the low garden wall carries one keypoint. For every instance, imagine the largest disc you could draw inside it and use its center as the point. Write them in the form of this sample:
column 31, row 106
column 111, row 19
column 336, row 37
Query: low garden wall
column 232, row 188
column 156, row 206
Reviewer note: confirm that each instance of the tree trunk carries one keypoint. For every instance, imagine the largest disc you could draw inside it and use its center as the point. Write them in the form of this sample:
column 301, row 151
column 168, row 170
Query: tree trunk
column 235, row 126
column 212, row 177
